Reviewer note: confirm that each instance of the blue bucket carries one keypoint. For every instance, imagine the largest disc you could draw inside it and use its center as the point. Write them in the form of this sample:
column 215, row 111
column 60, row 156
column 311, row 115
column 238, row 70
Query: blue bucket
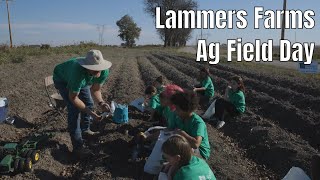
column 3, row 109
column 120, row 114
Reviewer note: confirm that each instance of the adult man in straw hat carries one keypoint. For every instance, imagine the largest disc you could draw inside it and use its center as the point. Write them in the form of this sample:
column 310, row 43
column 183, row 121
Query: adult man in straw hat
column 78, row 80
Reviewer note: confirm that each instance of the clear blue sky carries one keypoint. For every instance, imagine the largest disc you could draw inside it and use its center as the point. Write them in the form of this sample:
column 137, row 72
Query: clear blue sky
column 70, row 21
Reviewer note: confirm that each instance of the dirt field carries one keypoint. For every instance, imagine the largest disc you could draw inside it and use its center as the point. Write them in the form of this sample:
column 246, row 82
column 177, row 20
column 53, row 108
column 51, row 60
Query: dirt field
column 280, row 129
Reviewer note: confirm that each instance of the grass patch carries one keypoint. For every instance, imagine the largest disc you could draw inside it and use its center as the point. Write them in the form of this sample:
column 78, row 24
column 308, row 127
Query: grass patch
column 21, row 53
column 17, row 58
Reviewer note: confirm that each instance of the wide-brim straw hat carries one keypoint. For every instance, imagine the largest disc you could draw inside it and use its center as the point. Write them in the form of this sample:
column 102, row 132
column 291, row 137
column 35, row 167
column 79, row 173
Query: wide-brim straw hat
column 94, row 61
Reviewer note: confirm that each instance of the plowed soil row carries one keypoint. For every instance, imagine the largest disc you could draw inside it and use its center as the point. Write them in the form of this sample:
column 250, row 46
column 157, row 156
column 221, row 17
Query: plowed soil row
column 148, row 72
column 301, row 122
column 128, row 68
column 303, row 86
column 112, row 79
column 275, row 139
column 299, row 100
column 172, row 73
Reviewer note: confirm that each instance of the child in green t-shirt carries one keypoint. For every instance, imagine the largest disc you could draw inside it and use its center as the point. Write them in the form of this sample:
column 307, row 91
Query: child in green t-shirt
column 206, row 88
column 188, row 124
column 233, row 102
column 168, row 113
column 153, row 106
column 159, row 84
column 168, row 107
column 182, row 163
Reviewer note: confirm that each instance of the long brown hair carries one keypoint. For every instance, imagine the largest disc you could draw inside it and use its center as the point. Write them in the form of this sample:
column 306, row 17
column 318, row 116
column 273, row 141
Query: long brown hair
column 240, row 83
column 178, row 145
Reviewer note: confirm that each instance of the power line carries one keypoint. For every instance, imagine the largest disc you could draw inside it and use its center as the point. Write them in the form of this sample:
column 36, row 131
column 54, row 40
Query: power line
column 100, row 29
column 202, row 35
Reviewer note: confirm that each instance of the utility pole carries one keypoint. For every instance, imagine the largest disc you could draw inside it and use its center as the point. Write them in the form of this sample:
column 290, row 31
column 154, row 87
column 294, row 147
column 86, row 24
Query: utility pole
column 9, row 22
column 284, row 22
column 283, row 19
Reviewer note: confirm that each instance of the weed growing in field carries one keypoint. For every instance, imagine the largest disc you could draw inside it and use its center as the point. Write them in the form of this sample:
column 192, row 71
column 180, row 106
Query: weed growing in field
column 17, row 58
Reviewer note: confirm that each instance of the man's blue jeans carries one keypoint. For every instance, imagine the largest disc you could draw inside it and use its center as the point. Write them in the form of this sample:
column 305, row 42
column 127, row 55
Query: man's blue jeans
column 73, row 112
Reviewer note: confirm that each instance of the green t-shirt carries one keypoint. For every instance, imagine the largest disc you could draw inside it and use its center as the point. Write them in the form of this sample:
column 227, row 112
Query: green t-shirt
column 154, row 103
column 195, row 126
column 197, row 169
column 207, row 83
column 169, row 116
column 160, row 89
column 237, row 98
column 76, row 77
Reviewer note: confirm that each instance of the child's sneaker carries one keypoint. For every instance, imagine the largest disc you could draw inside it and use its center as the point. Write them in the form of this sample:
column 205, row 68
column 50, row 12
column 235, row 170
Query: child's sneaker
column 220, row 124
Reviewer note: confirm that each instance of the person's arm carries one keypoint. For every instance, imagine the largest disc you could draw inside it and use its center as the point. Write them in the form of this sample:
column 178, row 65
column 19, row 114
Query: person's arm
column 199, row 89
column 96, row 90
column 193, row 141
column 226, row 94
column 196, row 135
column 78, row 103
column 152, row 106
column 146, row 101
column 96, row 93
column 204, row 85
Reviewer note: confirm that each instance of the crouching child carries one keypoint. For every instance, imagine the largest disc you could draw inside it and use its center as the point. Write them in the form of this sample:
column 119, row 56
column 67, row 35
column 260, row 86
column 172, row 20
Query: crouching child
column 154, row 106
column 233, row 102
column 190, row 125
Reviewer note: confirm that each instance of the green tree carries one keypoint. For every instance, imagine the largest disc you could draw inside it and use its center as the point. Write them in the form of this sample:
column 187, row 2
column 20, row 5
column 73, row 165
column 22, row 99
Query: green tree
column 128, row 30
column 171, row 37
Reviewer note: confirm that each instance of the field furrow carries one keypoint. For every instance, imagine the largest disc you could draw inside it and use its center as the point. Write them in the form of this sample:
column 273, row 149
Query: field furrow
column 107, row 88
column 127, row 89
column 172, row 73
column 148, row 71
column 301, row 122
column 309, row 87
column 300, row 100
column 253, row 124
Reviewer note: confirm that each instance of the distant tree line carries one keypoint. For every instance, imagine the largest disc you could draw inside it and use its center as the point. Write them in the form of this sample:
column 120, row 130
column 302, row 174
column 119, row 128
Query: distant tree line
column 171, row 37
